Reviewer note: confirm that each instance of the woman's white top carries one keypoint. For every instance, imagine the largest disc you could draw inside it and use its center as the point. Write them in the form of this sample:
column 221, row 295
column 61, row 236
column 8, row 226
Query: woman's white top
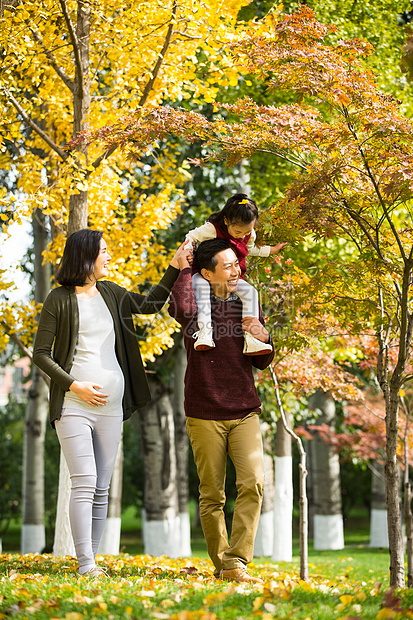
column 95, row 358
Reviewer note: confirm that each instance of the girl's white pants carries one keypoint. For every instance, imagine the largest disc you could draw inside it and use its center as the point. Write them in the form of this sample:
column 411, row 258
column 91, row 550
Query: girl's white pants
column 202, row 291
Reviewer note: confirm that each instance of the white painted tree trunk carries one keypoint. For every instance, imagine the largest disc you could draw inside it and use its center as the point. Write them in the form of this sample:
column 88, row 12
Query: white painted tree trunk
column 33, row 537
column 263, row 544
column 328, row 519
column 63, row 540
column 161, row 523
column 283, row 496
column 162, row 537
column 110, row 541
column 264, row 538
column 283, row 509
column 185, row 550
column 328, row 532
column 181, row 451
column 379, row 536
column 169, row 536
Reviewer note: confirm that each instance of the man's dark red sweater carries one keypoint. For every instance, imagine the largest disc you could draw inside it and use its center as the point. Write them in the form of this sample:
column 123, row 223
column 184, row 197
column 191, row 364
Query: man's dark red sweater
column 219, row 384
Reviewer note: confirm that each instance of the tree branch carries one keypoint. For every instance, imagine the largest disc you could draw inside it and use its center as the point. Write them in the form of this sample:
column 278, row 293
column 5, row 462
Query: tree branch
column 383, row 355
column 60, row 72
column 75, row 43
column 357, row 218
column 149, row 85
column 303, row 476
column 374, row 183
column 13, row 336
column 34, row 126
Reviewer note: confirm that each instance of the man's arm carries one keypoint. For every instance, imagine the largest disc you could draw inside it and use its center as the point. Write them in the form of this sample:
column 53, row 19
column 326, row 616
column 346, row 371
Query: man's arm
column 256, row 327
column 262, row 361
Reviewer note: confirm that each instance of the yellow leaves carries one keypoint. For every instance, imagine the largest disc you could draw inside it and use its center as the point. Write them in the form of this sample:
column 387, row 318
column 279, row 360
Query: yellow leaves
column 258, row 602
column 173, row 588
column 346, row 600
column 307, row 586
column 388, row 614
column 215, row 597
column 188, row 615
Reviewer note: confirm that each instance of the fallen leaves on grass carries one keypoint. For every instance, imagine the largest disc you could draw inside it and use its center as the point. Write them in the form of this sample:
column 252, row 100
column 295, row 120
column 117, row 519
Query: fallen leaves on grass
column 183, row 589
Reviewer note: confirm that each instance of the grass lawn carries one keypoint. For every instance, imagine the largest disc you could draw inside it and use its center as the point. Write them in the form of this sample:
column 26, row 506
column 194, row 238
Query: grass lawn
column 350, row 584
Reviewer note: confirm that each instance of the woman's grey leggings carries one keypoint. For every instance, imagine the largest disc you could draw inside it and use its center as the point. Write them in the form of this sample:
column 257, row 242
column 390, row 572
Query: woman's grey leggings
column 89, row 442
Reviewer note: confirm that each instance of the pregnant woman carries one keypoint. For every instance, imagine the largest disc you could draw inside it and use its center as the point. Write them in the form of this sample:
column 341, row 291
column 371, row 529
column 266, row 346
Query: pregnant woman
column 87, row 345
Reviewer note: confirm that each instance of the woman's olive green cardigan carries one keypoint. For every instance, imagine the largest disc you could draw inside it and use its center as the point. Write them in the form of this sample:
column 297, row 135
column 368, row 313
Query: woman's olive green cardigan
column 56, row 338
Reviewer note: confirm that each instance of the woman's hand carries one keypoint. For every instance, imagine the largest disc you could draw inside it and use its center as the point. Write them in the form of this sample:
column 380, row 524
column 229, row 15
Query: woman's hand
column 88, row 392
column 182, row 257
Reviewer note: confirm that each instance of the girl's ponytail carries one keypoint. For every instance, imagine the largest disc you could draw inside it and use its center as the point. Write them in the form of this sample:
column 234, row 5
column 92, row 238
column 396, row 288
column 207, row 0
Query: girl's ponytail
column 239, row 209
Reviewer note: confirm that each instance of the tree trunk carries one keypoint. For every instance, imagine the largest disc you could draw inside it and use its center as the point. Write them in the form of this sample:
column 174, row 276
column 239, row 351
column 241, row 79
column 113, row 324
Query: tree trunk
column 33, row 529
column 283, row 498
column 391, row 392
column 33, row 538
column 161, row 527
column 264, row 537
column 303, row 480
column 110, row 541
column 81, row 105
column 328, row 518
column 397, row 574
column 63, row 544
column 409, row 529
column 378, row 515
column 181, row 449
column 63, row 539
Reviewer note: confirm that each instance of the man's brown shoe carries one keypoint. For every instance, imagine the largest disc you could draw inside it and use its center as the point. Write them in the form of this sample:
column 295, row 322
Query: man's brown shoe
column 240, row 575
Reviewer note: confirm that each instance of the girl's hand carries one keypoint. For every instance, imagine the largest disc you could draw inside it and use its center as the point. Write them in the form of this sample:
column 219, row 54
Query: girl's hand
column 254, row 326
column 274, row 249
column 88, row 392
column 183, row 257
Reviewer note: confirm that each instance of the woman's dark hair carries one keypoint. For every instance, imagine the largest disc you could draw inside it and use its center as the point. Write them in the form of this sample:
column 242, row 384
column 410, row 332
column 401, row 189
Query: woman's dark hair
column 239, row 209
column 79, row 256
column 204, row 256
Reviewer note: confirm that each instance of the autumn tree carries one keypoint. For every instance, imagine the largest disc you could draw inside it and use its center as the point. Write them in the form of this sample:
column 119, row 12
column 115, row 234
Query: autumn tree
column 71, row 65
column 354, row 151
column 352, row 147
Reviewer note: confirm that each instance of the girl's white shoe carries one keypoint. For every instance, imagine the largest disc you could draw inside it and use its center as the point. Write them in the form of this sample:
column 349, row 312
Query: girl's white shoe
column 253, row 346
column 204, row 340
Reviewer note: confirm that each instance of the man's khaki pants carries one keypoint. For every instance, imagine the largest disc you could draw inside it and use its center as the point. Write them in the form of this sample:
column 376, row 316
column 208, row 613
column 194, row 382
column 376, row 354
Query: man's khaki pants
column 211, row 441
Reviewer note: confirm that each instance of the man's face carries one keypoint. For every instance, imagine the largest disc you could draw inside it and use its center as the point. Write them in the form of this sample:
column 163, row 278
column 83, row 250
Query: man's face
column 224, row 280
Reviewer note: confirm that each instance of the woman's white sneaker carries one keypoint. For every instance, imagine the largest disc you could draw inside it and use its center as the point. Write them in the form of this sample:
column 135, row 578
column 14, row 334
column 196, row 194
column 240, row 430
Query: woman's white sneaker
column 95, row 571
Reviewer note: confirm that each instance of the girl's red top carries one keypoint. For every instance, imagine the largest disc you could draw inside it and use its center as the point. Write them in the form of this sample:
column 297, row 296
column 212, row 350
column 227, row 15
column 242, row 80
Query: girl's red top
column 240, row 245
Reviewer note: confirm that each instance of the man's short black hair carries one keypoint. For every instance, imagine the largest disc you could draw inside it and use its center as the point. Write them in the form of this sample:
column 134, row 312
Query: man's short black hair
column 205, row 254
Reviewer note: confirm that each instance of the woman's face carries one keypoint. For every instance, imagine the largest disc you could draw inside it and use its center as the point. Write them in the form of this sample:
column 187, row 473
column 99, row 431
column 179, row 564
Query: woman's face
column 101, row 269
